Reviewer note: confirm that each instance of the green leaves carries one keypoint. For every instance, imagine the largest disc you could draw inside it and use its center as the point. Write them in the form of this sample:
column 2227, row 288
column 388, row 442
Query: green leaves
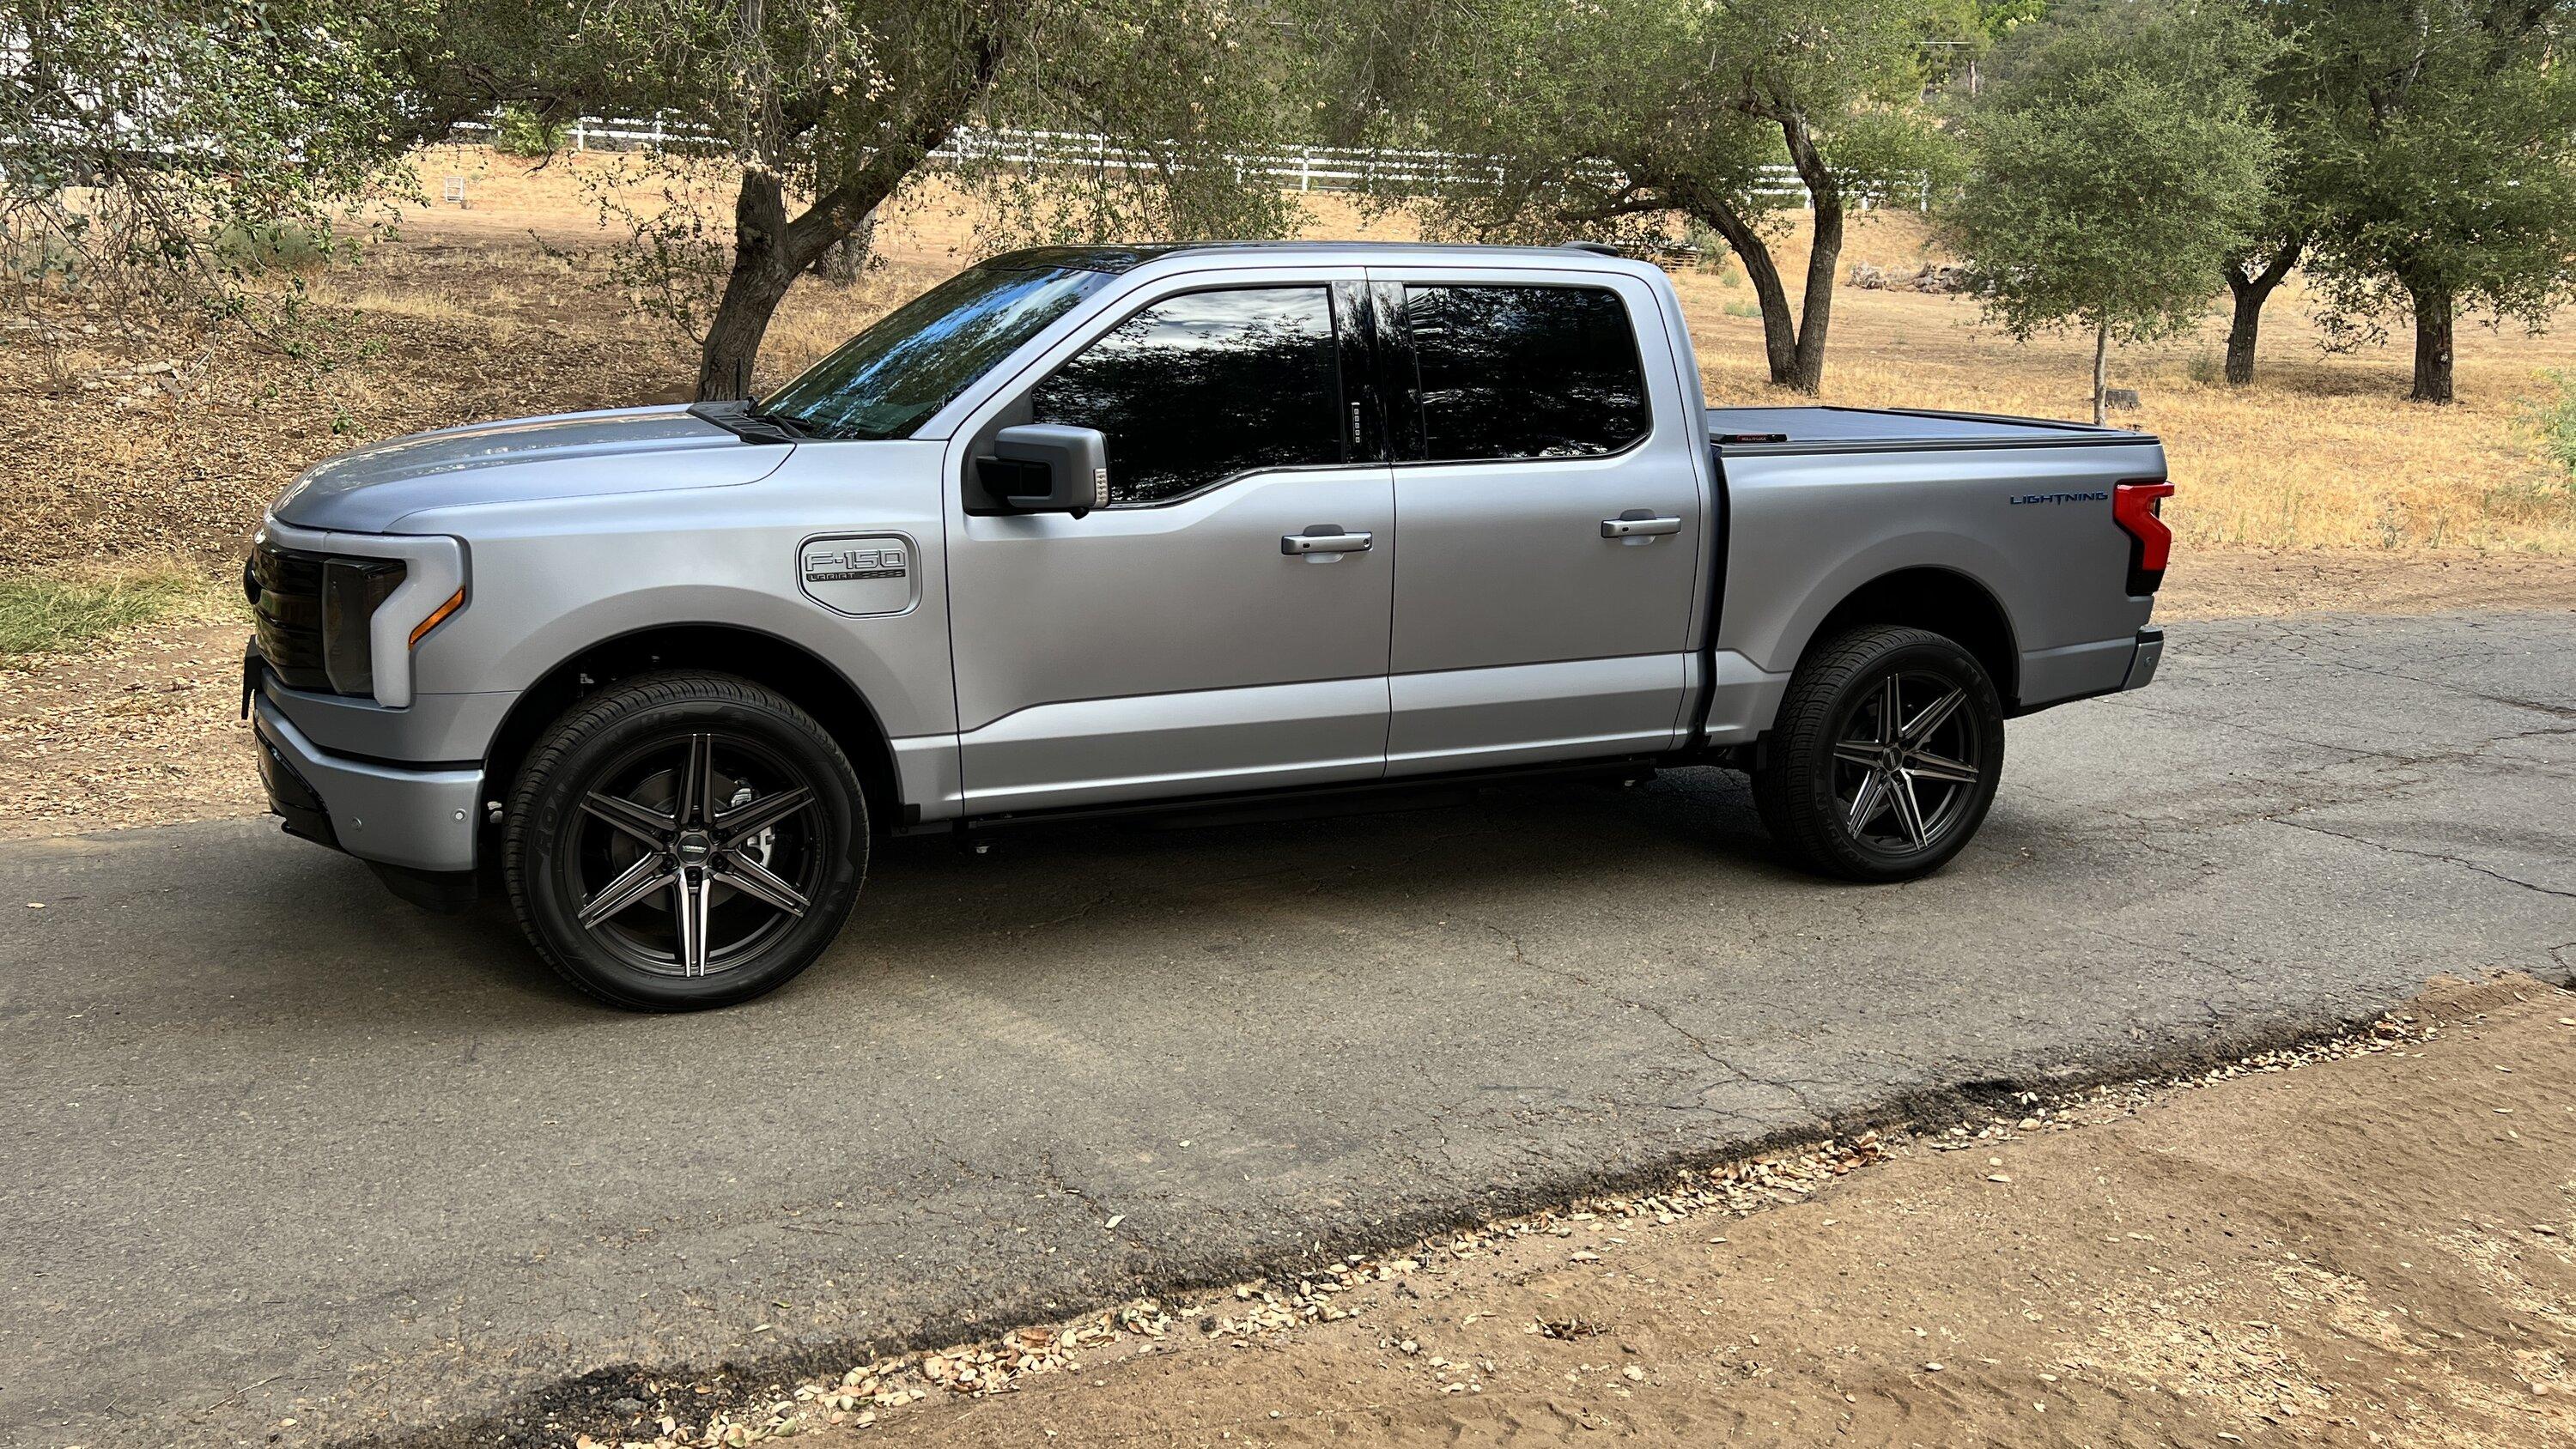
column 2448, row 149
column 2115, row 162
column 145, row 138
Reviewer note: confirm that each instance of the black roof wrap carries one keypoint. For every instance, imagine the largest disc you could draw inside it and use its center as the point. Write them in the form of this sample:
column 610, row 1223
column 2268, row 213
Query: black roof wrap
column 1116, row 259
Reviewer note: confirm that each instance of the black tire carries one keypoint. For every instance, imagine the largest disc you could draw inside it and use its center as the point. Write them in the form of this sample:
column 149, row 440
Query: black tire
column 1812, row 786
column 695, row 760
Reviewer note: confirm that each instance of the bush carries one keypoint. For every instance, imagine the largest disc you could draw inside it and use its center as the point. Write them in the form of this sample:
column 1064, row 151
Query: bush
column 1743, row 309
column 260, row 246
column 518, row 131
column 2552, row 422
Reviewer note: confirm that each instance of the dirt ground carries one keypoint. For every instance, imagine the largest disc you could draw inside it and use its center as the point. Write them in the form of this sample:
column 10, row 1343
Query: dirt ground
column 2359, row 1242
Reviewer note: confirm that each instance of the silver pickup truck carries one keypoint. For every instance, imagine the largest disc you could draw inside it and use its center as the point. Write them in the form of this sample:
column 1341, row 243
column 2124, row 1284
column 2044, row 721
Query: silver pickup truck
column 1102, row 530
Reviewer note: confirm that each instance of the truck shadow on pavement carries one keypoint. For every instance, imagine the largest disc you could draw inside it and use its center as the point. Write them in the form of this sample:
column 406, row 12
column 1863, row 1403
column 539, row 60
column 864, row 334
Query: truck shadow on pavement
column 1061, row 896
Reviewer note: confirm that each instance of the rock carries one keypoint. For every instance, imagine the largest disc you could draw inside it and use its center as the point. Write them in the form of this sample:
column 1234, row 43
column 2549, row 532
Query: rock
column 2122, row 398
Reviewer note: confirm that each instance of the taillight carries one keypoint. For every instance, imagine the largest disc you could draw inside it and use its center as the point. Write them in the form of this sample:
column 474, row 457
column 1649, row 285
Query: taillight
column 2139, row 510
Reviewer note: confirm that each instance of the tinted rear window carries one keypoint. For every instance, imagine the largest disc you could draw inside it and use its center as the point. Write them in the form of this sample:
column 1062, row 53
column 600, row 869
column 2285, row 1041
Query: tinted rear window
column 1525, row 372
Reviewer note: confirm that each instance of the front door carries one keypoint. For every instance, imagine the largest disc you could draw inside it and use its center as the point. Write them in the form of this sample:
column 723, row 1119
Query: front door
column 1176, row 641
column 1554, row 516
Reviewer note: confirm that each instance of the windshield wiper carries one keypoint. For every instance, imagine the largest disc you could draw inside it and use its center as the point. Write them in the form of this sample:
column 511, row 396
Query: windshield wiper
column 743, row 418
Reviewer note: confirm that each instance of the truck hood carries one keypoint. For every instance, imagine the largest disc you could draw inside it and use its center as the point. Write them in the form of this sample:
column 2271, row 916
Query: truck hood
column 566, row 455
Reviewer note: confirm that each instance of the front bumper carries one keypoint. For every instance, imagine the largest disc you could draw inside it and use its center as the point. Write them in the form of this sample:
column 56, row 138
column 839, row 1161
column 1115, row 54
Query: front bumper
column 416, row 819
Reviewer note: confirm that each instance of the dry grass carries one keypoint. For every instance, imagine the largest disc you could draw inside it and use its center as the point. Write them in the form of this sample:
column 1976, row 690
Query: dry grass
column 61, row 613
column 505, row 306
column 2321, row 451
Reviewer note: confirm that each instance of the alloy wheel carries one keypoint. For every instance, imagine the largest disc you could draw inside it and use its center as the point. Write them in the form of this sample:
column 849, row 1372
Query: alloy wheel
column 692, row 851
column 1908, row 763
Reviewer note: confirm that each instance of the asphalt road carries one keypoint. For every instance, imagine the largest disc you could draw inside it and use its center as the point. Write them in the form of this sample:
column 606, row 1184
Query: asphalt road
column 278, row 1146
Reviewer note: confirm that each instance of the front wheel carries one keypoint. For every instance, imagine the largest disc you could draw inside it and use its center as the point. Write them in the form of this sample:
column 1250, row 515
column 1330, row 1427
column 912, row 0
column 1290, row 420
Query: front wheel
column 681, row 841
column 1888, row 748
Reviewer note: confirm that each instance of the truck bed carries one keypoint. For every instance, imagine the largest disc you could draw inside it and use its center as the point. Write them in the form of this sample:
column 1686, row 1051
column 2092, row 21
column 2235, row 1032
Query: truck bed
column 1839, row 429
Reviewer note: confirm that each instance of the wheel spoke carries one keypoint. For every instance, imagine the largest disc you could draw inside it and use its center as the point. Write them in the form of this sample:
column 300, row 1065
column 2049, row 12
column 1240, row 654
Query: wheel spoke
column 647, row 875
column 1891, row 710
column 696, row 800
column 1871, row 800
column 1858, row 752
column 1933, row 717
column 756, row 880
column 689, row 891
column 649, row 826
column 759, row 815
column 1930, row 766
column 1909, row 811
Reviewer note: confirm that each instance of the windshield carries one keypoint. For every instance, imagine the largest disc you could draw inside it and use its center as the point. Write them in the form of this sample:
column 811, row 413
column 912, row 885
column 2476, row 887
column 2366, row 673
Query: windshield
column 890, row 379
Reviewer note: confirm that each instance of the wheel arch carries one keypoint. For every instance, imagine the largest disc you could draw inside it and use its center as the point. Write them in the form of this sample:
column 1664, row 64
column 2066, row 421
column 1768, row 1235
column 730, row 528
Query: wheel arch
column 806, row 679
column 1942, row 600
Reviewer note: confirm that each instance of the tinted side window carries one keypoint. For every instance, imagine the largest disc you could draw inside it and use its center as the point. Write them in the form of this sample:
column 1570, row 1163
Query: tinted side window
column 1198, row 388
column 1525, row 372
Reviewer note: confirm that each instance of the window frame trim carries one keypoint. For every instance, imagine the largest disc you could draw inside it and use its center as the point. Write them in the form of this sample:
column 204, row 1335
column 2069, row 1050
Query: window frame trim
column 1398, row 375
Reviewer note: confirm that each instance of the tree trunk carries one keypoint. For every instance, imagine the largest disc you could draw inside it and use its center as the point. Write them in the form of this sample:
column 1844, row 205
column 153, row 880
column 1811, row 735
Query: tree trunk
column 2252, row 291
column 2101, row 371
column 1778, row 325
column 2433, row 318
column 770, row 251
column 844, row 261
column 2241, row 332
column 1793, row 346
column 1824, row 258
column 764, row 265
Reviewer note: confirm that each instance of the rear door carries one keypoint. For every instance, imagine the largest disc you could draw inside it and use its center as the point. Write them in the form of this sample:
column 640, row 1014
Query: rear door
column 1552, row 503
column 1221, row 622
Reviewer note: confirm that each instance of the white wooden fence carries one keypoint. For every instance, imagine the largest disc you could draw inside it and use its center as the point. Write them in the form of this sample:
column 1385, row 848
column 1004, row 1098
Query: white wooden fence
column 1307, row 168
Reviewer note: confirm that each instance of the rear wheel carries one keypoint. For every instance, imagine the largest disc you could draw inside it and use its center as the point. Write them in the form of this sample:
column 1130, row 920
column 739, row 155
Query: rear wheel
column 682, row 841
column 1889, row 746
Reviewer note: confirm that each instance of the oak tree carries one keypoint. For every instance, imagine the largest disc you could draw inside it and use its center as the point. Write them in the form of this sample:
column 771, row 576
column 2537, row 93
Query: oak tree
column 2115, row 160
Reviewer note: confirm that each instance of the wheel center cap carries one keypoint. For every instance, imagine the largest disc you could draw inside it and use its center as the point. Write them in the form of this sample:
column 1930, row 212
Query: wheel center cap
column 693, row 847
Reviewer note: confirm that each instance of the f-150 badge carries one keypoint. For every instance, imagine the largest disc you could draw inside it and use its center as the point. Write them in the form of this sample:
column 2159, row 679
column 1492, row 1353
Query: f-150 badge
column 843, row 563
column 858, row 574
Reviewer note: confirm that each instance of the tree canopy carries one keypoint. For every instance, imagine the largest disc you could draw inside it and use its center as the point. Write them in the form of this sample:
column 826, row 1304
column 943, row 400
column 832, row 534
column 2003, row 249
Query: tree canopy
column 1608, row 115
column 166, row 145
column 829, row 108
column 2115, row 162
column 2443, row 160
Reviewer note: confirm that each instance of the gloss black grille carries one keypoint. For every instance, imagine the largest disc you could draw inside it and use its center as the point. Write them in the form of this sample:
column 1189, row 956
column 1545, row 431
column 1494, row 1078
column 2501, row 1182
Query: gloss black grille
column 286, row 595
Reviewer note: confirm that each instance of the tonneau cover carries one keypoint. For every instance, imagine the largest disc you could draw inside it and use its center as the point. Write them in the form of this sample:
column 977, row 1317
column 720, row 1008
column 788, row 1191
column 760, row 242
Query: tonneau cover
column 1797, row 427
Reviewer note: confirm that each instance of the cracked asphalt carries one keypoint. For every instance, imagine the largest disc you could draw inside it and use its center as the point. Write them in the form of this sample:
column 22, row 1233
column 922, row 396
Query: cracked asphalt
column 281, row 1147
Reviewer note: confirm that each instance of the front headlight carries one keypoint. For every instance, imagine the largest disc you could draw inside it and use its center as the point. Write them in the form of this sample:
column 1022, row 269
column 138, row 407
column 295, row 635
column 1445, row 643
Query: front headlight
column 351, row 591
column 379, row 595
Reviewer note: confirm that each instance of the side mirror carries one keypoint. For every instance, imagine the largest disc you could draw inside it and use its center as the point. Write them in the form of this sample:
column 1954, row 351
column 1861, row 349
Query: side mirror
column 1045, row 468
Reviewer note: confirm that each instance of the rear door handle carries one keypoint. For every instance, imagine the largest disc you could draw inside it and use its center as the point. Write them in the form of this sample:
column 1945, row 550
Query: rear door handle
column 1639, row 526
column 1335, row 541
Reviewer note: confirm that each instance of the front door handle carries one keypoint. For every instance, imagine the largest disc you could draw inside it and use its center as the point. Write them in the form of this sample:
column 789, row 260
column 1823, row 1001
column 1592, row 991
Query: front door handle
column 1325, row 538
column 1636, row 524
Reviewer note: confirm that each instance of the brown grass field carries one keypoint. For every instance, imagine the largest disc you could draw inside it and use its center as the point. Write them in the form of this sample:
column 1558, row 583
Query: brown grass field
column 506, row 306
